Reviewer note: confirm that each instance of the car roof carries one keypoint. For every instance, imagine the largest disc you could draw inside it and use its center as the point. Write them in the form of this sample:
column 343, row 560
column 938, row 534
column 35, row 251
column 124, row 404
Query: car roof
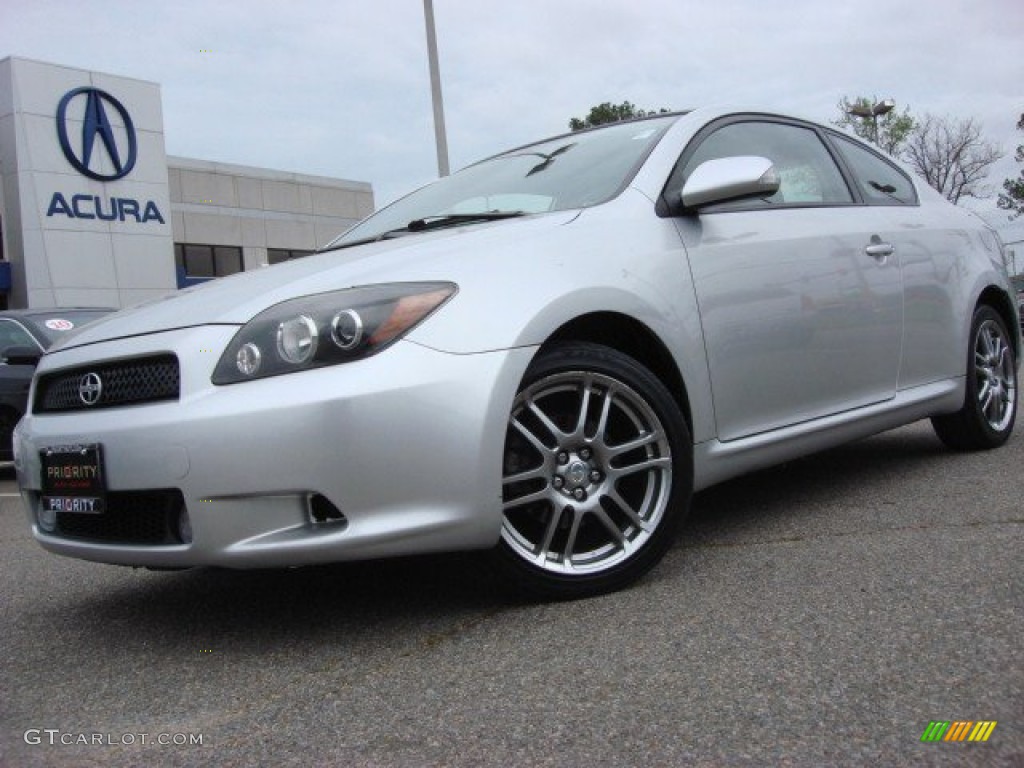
column 592, row 129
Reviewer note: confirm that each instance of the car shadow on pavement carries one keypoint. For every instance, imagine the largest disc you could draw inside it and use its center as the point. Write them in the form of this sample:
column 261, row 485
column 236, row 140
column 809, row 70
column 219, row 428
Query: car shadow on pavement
column 291, row 611
column 800, row 488
column 350, row 602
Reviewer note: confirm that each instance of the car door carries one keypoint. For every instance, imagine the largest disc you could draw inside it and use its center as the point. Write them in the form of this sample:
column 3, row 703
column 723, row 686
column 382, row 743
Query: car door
column 930, row 243
column 800, row 295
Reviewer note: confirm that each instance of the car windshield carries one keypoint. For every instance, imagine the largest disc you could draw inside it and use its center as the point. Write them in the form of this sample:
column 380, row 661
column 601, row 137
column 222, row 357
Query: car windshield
column 572, row 171
column 57, row 325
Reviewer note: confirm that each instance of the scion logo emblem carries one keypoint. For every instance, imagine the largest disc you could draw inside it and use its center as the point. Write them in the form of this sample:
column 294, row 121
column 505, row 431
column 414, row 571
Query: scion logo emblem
column 90, row 387
column 96, row 123
column 578, row 472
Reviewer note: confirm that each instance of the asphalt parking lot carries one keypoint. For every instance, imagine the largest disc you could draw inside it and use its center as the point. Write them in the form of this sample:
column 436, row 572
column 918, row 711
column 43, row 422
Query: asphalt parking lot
column 821, row 613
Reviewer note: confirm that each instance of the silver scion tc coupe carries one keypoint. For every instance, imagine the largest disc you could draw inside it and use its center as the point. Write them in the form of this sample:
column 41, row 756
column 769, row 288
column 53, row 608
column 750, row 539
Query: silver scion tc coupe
column 544, row 354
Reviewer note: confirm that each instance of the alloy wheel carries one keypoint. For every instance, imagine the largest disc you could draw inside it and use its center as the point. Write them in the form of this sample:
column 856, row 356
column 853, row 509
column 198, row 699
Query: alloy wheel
column 995, row 374
column 587, row 473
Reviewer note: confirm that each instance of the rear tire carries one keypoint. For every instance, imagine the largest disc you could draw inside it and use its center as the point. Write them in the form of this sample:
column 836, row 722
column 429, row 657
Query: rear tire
column 597, row 475
column 990, row 405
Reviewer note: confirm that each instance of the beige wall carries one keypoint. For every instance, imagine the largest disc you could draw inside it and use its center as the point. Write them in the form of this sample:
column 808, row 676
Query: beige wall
column 256, row 208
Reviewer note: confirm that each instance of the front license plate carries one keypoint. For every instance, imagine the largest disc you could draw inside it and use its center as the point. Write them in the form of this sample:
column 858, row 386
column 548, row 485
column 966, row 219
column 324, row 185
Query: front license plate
column 73, row 479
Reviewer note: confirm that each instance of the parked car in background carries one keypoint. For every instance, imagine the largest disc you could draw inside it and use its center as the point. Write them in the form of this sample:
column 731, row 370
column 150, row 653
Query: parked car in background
column 25, row 334
column 544, row 354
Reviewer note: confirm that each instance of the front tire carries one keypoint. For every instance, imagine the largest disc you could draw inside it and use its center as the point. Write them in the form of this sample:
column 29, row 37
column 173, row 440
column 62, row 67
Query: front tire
column 990, row 406
column 597, row 473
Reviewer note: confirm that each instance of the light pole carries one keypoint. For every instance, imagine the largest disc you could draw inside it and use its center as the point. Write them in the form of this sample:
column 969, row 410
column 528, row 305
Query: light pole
column 435, row 91
column 872, row 112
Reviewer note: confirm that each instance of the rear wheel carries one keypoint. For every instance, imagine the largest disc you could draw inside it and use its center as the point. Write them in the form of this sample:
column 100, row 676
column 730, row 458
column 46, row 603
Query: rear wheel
column 597, row 473
column 990, row 405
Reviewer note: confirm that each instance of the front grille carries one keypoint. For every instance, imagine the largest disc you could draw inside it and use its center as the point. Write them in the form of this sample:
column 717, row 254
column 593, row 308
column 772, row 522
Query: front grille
column 131, row 517
column 125, row 382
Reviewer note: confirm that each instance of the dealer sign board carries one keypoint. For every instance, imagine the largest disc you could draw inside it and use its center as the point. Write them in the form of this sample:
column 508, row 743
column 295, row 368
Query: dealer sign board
column 86, row 197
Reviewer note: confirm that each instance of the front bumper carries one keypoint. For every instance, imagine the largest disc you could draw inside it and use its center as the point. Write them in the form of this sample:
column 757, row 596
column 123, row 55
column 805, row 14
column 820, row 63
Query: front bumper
column 406, row 444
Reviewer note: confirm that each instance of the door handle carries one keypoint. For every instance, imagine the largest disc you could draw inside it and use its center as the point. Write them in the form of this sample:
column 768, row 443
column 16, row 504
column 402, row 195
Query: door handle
column 879, row 250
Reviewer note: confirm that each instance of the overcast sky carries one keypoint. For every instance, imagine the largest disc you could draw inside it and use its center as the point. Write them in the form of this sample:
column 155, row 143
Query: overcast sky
column 341, row 88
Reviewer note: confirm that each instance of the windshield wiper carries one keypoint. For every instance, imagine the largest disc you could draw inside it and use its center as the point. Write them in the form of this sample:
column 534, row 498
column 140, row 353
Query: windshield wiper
column 450, row 219
column 428, row 223
column 389, row 235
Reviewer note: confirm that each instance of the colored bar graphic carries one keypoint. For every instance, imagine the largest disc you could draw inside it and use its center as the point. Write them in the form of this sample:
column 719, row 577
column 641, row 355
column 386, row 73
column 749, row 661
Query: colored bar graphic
column 958, row 730
column 982, row 731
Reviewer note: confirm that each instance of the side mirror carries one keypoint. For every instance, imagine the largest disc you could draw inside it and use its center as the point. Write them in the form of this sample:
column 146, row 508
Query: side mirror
column 730, row 178
column 22, row 356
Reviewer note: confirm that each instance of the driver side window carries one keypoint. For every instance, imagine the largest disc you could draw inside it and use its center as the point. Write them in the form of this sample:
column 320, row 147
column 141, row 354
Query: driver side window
column 808, row 174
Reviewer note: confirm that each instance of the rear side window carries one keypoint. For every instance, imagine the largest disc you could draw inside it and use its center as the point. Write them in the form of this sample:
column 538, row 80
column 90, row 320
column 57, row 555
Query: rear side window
column 879, row 181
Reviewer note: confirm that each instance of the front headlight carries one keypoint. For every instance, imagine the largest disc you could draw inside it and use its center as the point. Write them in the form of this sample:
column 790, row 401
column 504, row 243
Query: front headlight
column 327, row 329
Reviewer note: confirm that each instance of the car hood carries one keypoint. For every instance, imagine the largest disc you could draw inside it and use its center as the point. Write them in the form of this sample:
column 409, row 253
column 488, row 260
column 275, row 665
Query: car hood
column 439, row 255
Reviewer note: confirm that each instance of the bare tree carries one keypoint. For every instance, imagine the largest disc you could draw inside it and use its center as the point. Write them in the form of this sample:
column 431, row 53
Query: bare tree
column 951, row 156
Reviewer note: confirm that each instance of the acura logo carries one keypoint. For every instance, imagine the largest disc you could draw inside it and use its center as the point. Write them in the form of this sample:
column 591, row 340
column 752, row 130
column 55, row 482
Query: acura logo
column 96, row 124
column 90, row 387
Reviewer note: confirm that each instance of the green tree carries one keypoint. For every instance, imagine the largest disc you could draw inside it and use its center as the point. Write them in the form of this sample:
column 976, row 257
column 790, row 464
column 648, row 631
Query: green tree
column 1012, row 199
column 888, row 132
column 610, row 113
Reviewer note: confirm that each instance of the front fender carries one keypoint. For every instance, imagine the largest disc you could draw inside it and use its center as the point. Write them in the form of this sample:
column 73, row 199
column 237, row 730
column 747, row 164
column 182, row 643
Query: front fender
column 624, row 261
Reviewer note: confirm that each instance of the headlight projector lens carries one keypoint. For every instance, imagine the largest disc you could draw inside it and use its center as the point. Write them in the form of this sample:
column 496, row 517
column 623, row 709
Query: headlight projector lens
column 248, row 359
column 296, row 340
column 347, row 329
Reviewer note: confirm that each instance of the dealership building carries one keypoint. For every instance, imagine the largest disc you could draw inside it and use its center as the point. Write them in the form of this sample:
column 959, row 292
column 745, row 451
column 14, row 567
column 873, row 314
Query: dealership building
column 93, row 212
